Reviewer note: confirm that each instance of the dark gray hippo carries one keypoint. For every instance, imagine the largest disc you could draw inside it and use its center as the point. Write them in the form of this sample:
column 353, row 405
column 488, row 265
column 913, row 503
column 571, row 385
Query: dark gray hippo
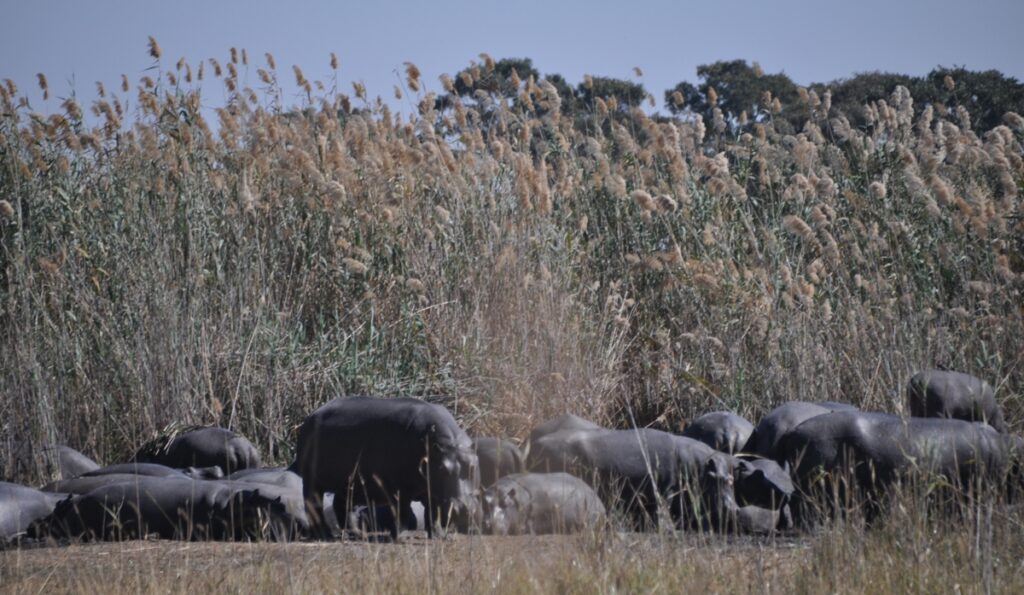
column 20, row 506
column 541, row 504
column 84, row 484
column 773, row 426
column 201, row 447
column 72, row 463
column 721, row 430
column 388, row 452
column 643, row 468
column 171, row 508
column 764, row 484
column 955, row 395
column 497, row 458
column 875, row 449
column 157, row 470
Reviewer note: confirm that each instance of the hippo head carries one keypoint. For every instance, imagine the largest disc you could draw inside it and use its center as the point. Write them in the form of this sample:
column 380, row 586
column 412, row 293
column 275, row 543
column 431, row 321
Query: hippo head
column 762, row 482
column 460, row 487
column 717, row 488
column 503, row 514
column 254, row 516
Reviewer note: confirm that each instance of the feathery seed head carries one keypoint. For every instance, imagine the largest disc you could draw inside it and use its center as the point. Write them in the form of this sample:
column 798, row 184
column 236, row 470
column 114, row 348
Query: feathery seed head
column 154, row 48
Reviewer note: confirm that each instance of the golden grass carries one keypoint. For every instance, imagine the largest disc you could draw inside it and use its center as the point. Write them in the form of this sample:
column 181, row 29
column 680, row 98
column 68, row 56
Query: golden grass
column 514, row 258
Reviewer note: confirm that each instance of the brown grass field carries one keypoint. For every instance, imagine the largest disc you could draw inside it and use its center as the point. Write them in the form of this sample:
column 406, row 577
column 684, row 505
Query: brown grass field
column 512, row 259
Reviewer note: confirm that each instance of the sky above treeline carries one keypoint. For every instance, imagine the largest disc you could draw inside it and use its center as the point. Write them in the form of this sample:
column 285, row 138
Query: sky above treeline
column 76, row 43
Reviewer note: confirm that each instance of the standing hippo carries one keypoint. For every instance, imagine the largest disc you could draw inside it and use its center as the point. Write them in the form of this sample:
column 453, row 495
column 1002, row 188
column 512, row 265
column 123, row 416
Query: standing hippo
column 201, row 447
column 20, row 506
column 721, row 430
column 875, row 449
column 169, row 507
column 73, row 463
column 942, row 393
column 765, row 437
column 388, row 452
column 540, row 504
column 643, row 468
column 497, row 457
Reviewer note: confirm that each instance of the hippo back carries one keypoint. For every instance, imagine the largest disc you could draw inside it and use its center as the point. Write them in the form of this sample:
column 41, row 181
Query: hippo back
column 73, row 463
column 954, row 395
column 497, row 458
column 721, row 430
column 201, row 447
column 779, row 421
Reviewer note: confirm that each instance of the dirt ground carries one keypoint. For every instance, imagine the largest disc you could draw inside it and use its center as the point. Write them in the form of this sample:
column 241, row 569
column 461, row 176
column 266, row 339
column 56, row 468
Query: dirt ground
column 606, row 562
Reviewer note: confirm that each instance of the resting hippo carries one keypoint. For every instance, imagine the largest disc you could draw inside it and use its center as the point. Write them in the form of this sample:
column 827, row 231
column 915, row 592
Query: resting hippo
column 497, row 458
column 833, row 406
column 765, row 437
column 157, row 470
column 202, row 447
column 20, row 506
column 73, row 463
column 171, row 508
column 540, row 504
column 388, row 452
column 639, row 468
column 87, row 483
column 721, row 430
column 878, row 448
column 940, row 393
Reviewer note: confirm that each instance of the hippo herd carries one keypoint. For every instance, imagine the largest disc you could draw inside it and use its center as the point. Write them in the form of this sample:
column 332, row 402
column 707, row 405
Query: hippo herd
column 366, row 465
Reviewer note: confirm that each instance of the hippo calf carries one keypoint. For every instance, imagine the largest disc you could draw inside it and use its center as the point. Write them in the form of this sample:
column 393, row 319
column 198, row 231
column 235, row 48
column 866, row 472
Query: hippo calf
column 539, row 504
column 201, row 447
column 955, row 395
column 721, row 430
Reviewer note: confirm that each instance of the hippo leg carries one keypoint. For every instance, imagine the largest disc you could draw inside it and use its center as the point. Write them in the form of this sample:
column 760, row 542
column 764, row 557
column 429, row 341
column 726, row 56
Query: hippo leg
column 319, row 528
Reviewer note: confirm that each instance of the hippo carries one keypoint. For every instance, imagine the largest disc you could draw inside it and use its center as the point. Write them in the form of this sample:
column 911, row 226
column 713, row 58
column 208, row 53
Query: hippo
column 278, row 476
column 642, row 469
column 761, row 521
column 84, row 484
column 171, row 508
column 765, row 437
column 497, row 458
column 157, row 470
column 388, row 452
column 560, row 423
column 942, row 393
column 721, row 430
column 876, row 449
column 834, row 406
column 762, row 482
column 20, row 506
column 201, row 447
column 72, row 463
column 365, row 519
column 540, row 504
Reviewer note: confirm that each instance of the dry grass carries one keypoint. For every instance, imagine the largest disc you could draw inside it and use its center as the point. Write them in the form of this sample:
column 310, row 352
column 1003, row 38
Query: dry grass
column 506, row 258
column 843, row 558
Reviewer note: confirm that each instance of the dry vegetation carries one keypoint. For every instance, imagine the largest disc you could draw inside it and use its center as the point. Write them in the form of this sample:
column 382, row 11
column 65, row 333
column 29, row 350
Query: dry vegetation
column 514, row 263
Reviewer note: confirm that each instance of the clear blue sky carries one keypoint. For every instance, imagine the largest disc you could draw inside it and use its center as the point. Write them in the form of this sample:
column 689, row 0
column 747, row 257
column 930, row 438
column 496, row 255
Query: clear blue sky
column 82, row 41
